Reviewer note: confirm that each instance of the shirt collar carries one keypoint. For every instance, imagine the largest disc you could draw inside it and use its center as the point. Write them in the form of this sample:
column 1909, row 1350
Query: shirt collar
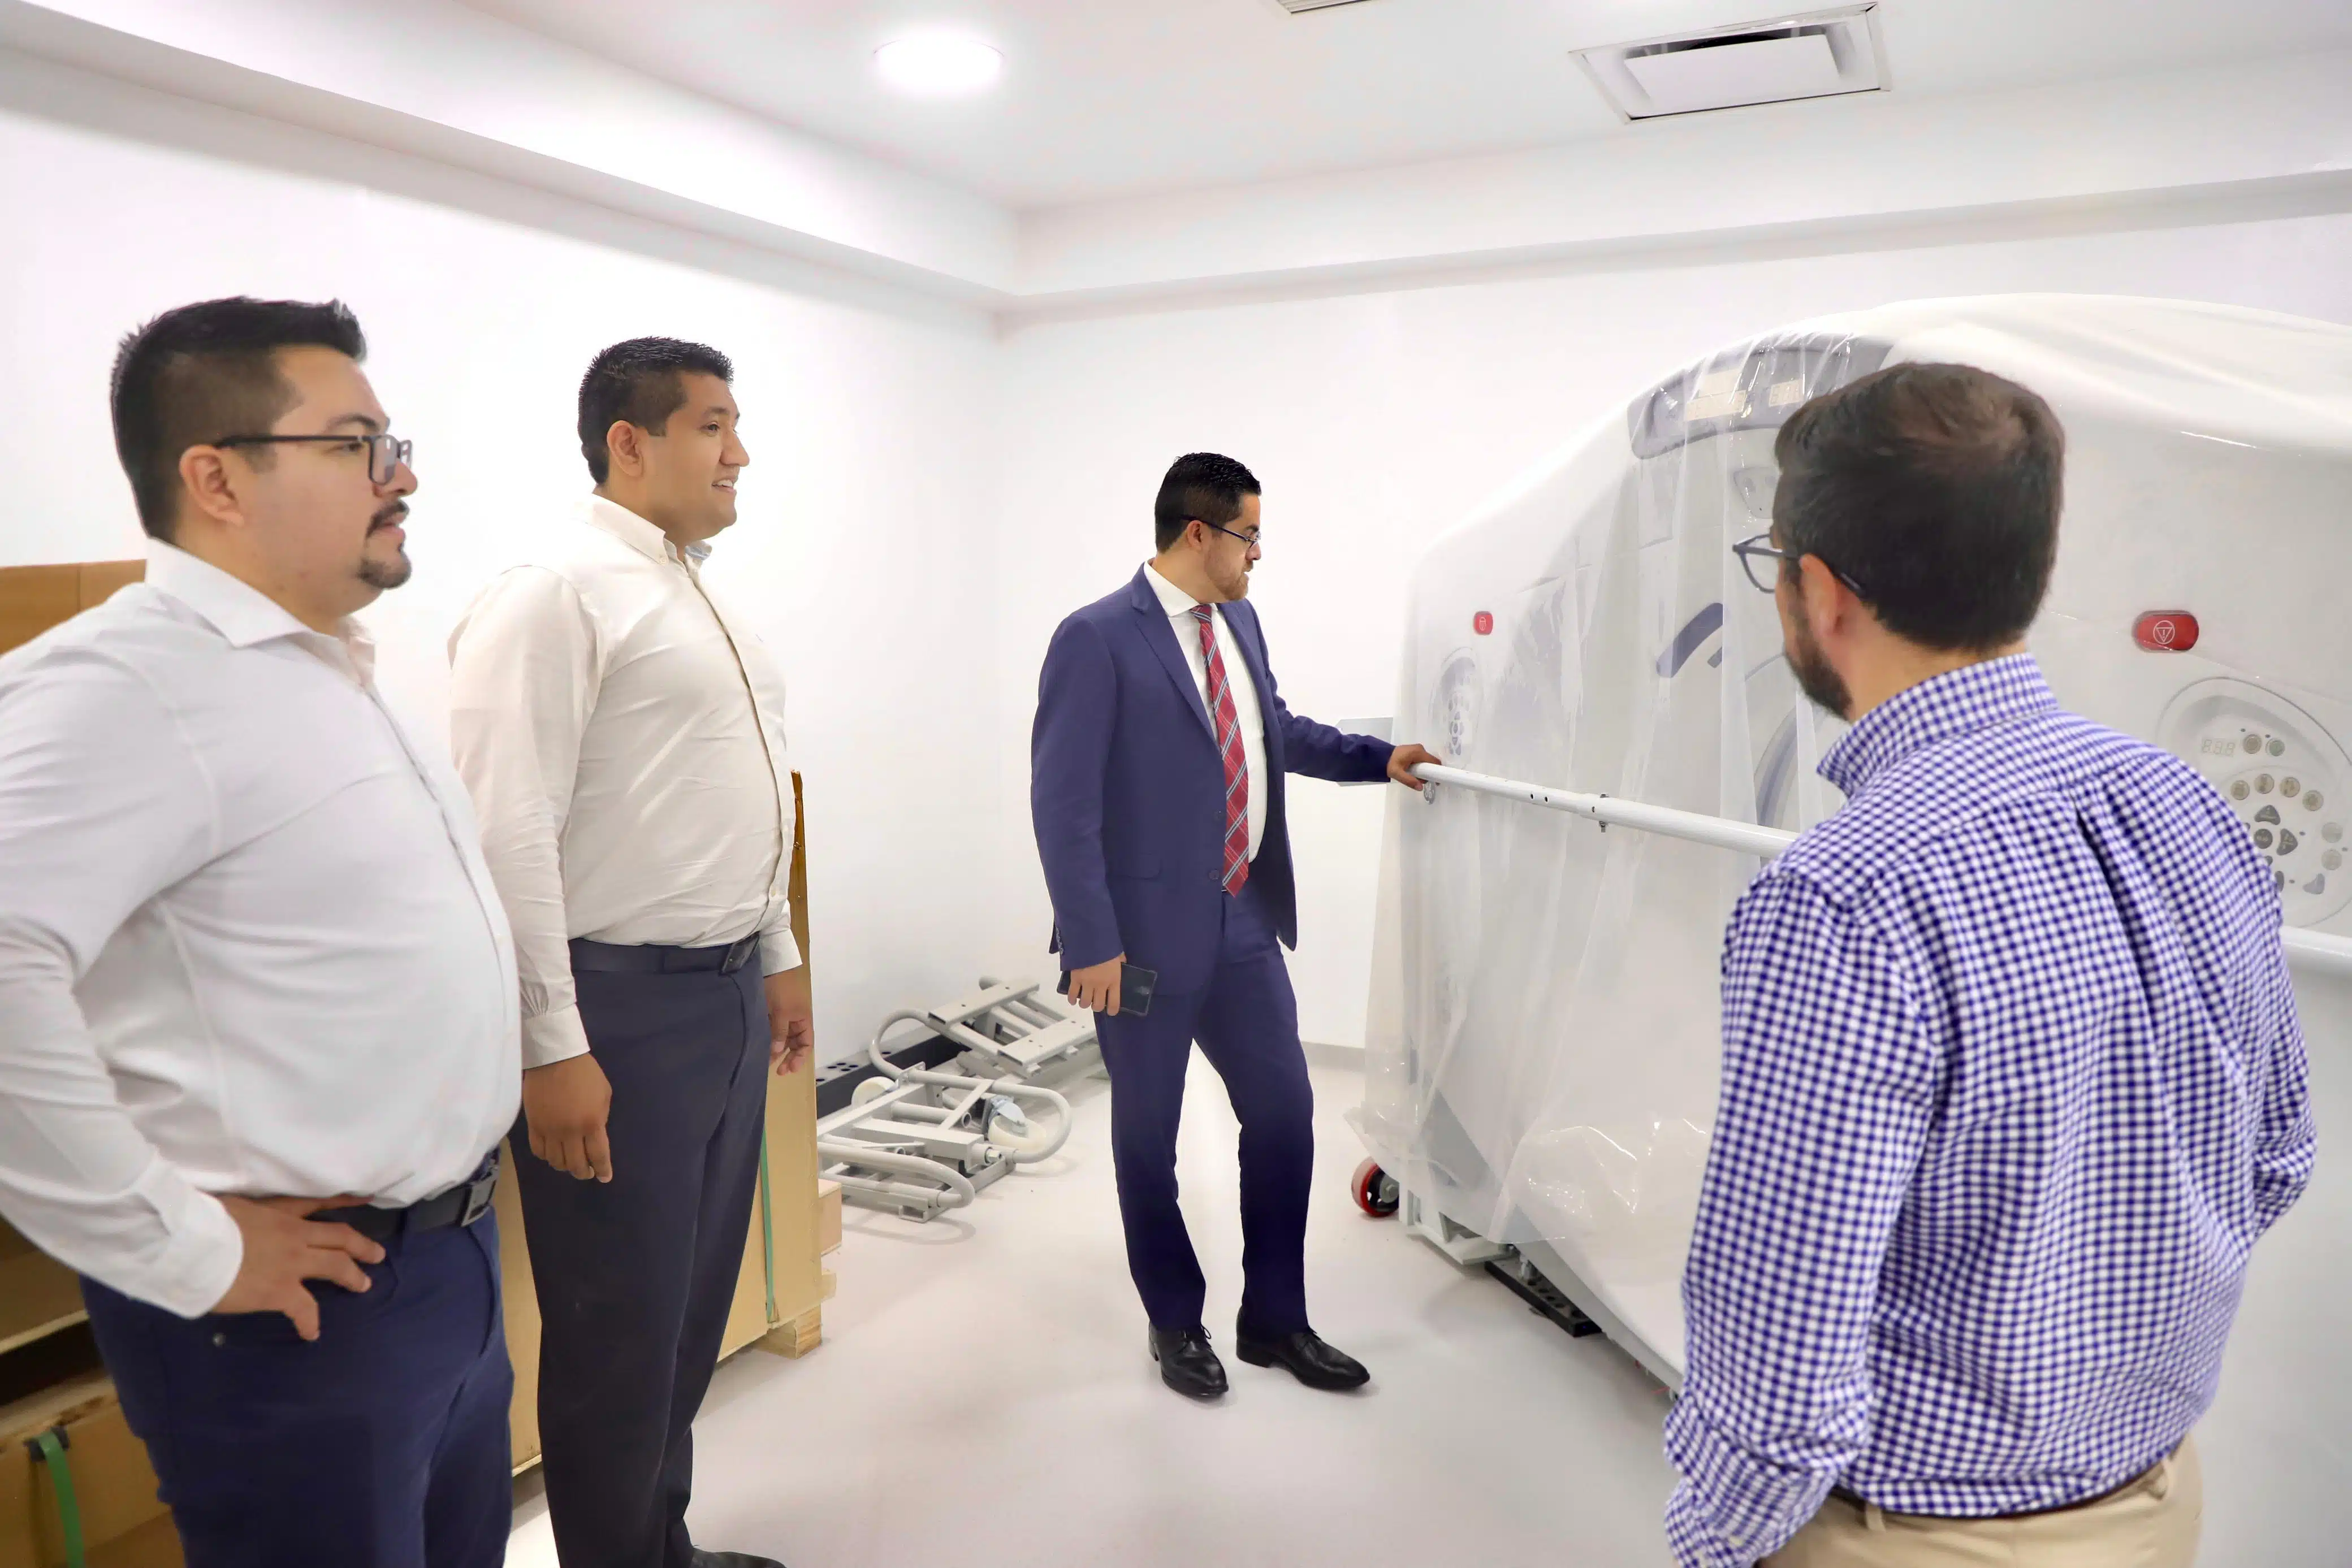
column 638, row 534
column 242, row 614
column 1973, row 697
column 1172, row 599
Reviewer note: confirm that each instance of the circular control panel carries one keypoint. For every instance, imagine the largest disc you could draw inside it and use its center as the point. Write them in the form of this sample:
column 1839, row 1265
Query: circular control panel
column 2287, row 779
column 1454, row 706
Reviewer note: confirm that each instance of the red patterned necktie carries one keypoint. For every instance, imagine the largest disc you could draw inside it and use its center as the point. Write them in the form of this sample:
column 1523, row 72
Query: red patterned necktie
column 1229, row 747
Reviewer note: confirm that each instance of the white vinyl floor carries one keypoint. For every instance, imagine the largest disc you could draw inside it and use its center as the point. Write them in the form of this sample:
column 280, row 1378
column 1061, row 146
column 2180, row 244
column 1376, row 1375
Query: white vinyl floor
column 984, row 1400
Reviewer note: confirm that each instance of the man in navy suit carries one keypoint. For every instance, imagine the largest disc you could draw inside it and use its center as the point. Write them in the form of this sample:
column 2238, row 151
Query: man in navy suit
column 1156, row 790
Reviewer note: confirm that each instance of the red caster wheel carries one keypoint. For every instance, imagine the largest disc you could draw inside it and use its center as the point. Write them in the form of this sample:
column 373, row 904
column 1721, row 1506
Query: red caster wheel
column 1376, row 1191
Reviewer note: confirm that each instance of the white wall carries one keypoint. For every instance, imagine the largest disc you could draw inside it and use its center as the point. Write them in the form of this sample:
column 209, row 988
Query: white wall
column 1377, row 420
column 866, row 514
column 928, row 498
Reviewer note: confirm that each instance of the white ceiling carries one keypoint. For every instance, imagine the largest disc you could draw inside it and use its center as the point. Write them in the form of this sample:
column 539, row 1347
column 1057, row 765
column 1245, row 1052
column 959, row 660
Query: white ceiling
column 1110, row 98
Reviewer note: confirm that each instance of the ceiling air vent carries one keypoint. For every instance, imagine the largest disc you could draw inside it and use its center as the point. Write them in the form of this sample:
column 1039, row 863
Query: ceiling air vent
column 1825, row 55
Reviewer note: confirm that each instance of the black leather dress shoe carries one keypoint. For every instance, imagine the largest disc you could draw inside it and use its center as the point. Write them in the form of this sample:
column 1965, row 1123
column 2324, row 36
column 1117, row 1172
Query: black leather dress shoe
column 1187, row 1365
column 731, row 1560
column 1306, row 1357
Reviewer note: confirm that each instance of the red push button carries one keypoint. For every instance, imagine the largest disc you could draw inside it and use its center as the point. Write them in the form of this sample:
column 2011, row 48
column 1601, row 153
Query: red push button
column 1482, row 623
column 2165, row 632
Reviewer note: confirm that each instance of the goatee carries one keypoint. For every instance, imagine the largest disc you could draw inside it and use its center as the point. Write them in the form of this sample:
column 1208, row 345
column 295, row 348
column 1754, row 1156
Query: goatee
column 384, row 575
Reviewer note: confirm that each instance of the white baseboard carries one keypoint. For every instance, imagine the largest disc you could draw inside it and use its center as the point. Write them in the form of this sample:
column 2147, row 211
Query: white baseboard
column 1349, row 1057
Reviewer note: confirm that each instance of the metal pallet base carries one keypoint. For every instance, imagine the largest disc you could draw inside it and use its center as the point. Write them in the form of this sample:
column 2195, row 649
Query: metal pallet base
column 1543, row 1298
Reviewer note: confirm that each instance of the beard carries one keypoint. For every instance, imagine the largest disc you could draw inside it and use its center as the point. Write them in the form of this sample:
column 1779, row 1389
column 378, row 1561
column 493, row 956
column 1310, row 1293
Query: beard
column 381, row 575
column 1815, row 677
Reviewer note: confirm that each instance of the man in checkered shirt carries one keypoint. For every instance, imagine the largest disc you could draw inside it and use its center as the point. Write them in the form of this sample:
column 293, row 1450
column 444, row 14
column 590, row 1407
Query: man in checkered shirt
column 2011, row 1075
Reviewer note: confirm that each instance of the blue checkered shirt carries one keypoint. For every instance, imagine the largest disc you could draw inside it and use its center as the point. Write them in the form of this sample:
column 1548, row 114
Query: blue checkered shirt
column 2011, row 1084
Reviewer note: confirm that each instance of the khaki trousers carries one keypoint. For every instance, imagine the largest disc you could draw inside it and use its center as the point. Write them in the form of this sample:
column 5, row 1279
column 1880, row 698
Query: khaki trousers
column 2150, row 1523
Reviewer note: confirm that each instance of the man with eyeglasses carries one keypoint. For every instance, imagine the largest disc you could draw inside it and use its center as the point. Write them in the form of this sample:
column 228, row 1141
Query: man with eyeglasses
column 257, row 993
column 1156, row 793
column 2012, row 1080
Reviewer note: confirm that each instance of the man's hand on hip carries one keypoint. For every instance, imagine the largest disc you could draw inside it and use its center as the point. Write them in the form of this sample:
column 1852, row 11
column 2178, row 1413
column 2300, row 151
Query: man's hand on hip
column 1406, row 758
column 566, row 1103
column 284, row 1246
column 791, row 1020
column 1096, row 987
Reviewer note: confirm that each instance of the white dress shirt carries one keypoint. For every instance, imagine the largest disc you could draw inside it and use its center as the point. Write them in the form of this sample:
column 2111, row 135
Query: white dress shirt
column 247, row 942
column 1179, row 605
column 623, row 735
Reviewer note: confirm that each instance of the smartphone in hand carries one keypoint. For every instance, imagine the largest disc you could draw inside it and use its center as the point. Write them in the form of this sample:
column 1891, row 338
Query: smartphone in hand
column 1134, row 988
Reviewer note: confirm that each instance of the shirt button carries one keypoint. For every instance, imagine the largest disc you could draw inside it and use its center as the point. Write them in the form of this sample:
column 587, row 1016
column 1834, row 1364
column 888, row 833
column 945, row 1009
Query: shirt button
column 220, row 1339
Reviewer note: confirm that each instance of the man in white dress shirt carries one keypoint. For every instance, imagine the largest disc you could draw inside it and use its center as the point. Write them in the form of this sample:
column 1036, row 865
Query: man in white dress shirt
column 248, row 948
column 623, row 736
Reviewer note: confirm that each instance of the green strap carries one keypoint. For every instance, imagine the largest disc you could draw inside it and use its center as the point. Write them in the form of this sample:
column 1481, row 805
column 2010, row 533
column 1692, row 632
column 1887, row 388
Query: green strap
column 767, row 1229
column 52, row 1450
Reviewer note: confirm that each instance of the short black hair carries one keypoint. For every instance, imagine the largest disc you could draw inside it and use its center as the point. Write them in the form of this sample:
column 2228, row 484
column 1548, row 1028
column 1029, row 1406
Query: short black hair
column 642, row 380
column 205, row 373
column 1936, row 489
column 1200, row 485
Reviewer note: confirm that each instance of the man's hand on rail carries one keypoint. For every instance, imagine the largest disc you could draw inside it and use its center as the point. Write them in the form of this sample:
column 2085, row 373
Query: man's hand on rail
column 1406, row 758
column 1096, row 987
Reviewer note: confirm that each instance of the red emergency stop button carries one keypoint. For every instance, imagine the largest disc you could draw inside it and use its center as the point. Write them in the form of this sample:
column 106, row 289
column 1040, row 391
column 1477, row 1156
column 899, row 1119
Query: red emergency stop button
column 1482, row 623
column 2165, row 632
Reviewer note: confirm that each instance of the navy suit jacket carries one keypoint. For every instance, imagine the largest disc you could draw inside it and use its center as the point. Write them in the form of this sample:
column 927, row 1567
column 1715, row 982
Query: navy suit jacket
column 1127, row 791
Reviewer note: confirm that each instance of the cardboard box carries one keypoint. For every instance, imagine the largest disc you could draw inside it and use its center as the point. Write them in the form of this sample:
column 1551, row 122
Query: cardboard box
column 828, row 1218
column 123, row 1521
column 34, row 597
column 39, row 1295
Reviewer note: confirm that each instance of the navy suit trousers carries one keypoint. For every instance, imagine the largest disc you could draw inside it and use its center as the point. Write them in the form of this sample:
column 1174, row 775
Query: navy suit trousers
column 1245, row 1019
column 381, row 1444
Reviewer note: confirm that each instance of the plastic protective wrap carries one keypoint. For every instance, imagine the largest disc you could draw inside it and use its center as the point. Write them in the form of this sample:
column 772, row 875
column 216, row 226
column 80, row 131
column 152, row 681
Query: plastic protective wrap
column 1543, row 1021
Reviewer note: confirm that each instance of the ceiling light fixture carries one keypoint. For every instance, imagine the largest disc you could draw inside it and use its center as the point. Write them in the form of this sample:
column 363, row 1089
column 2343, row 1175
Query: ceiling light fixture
column 938, row 64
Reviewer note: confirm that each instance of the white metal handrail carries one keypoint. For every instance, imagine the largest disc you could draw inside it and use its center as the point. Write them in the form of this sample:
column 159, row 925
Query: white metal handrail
column 2312, row 949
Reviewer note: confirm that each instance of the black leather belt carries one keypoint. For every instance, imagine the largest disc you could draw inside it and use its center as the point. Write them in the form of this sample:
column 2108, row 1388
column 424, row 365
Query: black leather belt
column 605, row 958
column 461, row 1205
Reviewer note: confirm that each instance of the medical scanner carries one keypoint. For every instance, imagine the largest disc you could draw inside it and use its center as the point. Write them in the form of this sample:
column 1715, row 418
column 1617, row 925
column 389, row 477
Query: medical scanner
column 1625, row 743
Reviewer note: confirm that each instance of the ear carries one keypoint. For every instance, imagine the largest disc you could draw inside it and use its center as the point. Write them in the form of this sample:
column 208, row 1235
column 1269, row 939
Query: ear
column 1827, row 604
column 625, row 448
column 207, row 476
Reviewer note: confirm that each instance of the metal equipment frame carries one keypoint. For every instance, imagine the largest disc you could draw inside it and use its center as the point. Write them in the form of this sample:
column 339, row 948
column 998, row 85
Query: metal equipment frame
column 926, row 1141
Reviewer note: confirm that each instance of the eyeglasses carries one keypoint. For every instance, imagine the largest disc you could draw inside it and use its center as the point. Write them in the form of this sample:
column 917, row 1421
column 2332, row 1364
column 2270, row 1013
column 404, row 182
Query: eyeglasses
column 1249, row 538
column 1758, row 548
column 385, row 452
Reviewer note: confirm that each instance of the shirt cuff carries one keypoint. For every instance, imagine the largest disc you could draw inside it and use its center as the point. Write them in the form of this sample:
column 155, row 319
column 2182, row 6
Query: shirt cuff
column 202, row 1253
column 1693, row 1539
column 552, row 1037
column 778, row 951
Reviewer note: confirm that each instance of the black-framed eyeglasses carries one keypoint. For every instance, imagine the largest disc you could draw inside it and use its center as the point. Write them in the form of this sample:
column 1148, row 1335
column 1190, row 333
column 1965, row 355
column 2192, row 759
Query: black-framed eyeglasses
column 385, row 452
column 1249, row 538
column 1758, row 549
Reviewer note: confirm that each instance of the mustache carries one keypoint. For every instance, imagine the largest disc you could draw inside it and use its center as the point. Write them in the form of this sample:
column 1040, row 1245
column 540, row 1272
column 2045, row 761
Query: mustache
column 389, row 517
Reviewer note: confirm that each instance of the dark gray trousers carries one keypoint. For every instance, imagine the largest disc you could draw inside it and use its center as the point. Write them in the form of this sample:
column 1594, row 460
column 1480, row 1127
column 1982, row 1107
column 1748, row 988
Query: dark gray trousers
column 635, row 1276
